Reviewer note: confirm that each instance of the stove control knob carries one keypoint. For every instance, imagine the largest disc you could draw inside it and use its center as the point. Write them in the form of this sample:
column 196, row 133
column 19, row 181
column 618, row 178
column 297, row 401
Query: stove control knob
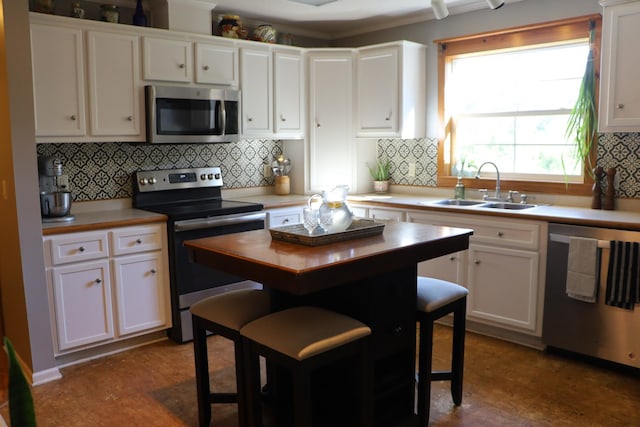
column 143, row 181
column 152, row 180
column 217, row 176
column 203, row 176
column 210, row 176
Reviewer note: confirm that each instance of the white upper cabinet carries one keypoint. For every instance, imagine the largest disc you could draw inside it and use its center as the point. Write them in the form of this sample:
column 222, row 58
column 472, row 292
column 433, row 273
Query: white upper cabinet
column 167, row 60
column 217, row 64
column 289, row 88
column 391, row 91
column 114, row 84
column 257, row 91
column 619, row 83
column 331, row 153
column 58, row 80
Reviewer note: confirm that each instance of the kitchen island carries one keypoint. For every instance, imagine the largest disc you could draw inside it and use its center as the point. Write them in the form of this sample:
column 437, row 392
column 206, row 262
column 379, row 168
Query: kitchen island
column 372, row 279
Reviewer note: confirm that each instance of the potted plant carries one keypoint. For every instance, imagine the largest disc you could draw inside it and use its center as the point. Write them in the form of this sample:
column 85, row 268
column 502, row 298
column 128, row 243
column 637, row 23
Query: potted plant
column 582, row 126
column 380, row 175
column 21, row 410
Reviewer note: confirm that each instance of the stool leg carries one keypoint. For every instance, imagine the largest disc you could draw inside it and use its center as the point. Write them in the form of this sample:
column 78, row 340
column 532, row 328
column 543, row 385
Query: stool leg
column 302, row 398
column 251, row 367
column 457, row 362
column 366, row 384
column 424, row 370
column 202, row 373
column 240, row 382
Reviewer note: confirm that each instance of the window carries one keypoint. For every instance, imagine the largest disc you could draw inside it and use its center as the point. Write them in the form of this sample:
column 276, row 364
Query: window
column 507, row 98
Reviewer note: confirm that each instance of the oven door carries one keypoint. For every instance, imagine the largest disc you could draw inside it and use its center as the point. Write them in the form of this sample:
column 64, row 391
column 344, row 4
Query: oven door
column 192, row 282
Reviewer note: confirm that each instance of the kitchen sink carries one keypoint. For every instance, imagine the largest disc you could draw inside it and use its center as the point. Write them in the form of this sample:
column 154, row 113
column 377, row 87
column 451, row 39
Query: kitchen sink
column 508, row 205
column 458, row 202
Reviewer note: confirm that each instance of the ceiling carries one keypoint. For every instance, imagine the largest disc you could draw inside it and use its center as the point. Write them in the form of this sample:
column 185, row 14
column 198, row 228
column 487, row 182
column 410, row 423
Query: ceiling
column 339, row 18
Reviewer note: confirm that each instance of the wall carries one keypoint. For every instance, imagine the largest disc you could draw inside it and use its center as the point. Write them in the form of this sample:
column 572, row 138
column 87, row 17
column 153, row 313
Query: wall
column 615, row 150
column 99, row 171
column 24, row 295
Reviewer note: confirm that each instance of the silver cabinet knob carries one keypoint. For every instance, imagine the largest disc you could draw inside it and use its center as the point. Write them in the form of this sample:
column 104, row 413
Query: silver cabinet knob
column 154, row 271
column 98, row 280
column 452, row 258
column 476, row 261
column 249, row 119
column 138, row 241
column 73, row 117
column 81, row 249
column 620, row 106
column 129, row 118
column 500, row 234
column 206, row 67
column 180, row 65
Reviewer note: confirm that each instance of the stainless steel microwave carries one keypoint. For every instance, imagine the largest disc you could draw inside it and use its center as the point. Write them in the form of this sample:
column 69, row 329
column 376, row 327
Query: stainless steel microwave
column 180, row 114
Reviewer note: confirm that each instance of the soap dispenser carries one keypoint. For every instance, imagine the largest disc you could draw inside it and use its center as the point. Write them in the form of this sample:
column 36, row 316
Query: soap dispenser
column 459, row 190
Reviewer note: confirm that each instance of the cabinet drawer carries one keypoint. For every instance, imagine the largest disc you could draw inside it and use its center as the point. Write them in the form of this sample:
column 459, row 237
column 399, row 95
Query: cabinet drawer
column 136, row 239
column 78, row 247
column 280, row 217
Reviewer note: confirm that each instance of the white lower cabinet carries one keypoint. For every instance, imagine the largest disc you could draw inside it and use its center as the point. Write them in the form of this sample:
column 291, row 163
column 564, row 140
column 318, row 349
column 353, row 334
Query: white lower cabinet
column 82, row 302
column 284, row 216
column 503, row 269
column 107, row 285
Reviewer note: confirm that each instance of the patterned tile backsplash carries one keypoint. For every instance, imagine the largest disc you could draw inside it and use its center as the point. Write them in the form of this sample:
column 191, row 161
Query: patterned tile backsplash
column 99, row 171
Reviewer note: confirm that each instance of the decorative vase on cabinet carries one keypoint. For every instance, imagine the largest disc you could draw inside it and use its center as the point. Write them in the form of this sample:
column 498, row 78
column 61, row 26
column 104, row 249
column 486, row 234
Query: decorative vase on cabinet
column 139, row 17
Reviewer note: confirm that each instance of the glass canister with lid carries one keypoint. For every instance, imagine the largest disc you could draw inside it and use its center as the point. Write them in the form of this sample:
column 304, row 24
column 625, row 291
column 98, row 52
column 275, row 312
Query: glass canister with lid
column 110, row 13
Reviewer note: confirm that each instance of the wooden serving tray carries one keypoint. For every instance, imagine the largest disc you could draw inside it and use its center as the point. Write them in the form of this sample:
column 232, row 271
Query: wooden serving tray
column 298, row 234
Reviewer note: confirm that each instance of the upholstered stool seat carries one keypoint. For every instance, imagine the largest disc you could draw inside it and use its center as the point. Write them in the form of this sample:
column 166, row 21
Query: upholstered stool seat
column 436, row 298
column 301, row 340
column 223, row 315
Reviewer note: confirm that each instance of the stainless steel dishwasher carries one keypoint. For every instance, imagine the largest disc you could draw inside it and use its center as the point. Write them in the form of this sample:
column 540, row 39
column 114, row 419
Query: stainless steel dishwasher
column 593, row 329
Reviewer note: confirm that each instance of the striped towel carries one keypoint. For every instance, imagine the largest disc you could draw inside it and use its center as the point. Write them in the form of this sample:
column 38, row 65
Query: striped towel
column 622, row 280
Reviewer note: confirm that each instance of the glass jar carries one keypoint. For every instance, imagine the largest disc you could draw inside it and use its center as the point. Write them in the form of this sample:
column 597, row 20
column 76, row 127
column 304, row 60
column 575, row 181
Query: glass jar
column 110, row 13
column 77, row 11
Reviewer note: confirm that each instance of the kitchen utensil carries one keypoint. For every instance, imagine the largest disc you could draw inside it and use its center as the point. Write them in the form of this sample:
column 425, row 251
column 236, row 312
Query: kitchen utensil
column 55, row 204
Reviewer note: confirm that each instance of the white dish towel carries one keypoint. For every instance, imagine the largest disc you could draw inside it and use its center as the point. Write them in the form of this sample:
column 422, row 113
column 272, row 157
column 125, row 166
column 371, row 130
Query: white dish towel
column 583, row 268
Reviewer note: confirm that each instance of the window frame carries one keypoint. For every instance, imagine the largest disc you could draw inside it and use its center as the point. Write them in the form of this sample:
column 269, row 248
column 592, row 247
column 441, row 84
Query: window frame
column 528, row 35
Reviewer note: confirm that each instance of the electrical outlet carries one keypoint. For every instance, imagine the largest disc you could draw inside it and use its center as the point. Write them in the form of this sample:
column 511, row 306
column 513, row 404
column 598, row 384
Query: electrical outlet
column 412, row 170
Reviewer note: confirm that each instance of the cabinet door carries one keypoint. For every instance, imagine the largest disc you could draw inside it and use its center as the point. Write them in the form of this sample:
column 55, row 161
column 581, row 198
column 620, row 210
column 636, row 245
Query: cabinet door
column 216, row 64
column 448, row 267
column 82, row 304
column 140, row 292
column 280, row 217
column 331, row 142
column 503, row 286
column 620, row 86
column 257, row 92
column 289, row 106
column 114, row 84
column 386, row 214
column 168, row 60
column 58, row 81
column 377, row 94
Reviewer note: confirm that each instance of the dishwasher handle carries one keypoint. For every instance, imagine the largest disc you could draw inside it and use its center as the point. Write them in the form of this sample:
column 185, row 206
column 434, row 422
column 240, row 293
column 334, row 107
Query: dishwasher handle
column 563, row 238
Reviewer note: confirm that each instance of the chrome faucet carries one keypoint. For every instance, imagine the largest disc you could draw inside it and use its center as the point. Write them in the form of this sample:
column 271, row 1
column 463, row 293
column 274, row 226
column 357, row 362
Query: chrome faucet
column 498, row 196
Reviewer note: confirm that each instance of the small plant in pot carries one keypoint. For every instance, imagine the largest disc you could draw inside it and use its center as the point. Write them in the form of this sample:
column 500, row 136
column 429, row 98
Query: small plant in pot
column 380, row 175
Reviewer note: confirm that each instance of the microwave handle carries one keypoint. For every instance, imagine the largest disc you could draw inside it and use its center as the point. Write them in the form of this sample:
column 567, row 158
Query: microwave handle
column 223, row 117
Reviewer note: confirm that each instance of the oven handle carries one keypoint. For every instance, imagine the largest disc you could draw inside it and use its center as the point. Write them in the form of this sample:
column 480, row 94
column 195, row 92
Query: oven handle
column 215, row 222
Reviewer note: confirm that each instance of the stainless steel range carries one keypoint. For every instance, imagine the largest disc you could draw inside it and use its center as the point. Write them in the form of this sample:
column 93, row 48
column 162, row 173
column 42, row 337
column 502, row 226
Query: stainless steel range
column 192, row 201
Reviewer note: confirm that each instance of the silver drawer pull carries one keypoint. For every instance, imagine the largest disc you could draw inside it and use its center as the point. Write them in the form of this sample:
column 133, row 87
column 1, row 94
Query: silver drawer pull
column 476, row 261
column 500, row 233
column 73, row 117
column 452, row 258
column 206, row 67
column 154, row 271
column 129, row 118
column 81, row 249
column 180, row 65
column 98, row 280
column 138, row 241
column 620, row 106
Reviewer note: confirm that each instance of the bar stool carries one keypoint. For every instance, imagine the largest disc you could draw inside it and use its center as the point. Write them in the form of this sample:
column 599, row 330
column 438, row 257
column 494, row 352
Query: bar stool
column 301, row 340
column 224, row 315
column 436, row 299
